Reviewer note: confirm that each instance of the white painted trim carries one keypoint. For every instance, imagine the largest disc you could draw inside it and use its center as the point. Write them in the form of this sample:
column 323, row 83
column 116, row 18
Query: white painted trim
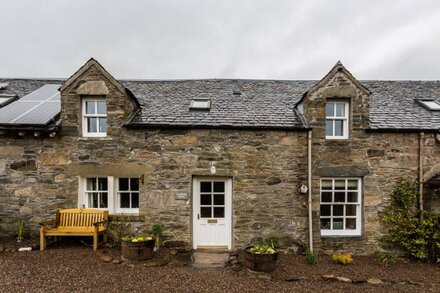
column 226, row 234
column 112, row 195
column 359, row 214
column 345, row 120
column 84, row 117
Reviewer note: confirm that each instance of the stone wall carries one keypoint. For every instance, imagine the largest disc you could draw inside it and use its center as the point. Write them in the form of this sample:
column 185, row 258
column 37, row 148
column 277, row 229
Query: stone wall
column 380, row 159
column 267, row 168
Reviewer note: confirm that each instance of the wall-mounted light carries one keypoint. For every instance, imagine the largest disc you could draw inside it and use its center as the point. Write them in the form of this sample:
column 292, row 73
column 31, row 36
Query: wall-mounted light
column 213, row 168
column 303, row 189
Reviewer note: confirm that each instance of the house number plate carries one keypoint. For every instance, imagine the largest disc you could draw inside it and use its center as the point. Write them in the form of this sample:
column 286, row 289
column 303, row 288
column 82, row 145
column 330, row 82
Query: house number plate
column 212, row 221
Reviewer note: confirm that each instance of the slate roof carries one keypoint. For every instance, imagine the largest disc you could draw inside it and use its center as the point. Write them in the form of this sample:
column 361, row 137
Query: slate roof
column 263, row 104
column 394, row 106
column 22, row 87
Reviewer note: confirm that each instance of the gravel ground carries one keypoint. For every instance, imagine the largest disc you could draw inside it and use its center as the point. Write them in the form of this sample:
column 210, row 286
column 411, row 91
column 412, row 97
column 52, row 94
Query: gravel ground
column 75, row 267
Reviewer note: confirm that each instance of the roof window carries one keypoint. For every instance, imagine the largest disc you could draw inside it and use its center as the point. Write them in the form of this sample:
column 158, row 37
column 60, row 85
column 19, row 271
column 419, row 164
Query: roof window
column 200, row 104
column 430, row 104
column 6, row 99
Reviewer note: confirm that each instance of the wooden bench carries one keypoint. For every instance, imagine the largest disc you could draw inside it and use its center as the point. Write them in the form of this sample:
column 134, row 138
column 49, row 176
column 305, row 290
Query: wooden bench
column 75, row 222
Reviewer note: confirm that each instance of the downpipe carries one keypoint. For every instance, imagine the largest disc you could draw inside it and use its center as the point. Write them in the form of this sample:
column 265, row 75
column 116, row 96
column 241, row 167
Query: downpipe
column 309, row 183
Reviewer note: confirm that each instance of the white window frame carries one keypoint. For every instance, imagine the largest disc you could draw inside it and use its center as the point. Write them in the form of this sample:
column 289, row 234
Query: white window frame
column 88, row 192
column 343, row 231
column 118, row 208
column 113, row 202
column 344, row 119
column 85, row 131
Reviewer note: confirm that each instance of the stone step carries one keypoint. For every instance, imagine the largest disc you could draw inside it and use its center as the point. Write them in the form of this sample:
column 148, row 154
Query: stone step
column 209, row 259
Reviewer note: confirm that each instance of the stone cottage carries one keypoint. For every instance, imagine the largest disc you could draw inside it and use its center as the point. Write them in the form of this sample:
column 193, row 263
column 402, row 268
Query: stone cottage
column 219, row 163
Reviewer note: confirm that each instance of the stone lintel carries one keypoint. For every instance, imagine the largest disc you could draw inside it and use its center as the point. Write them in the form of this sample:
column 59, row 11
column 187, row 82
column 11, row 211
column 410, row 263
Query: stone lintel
column 93, row 88
column 339, row 92
column 343, row 171
column 118, row 170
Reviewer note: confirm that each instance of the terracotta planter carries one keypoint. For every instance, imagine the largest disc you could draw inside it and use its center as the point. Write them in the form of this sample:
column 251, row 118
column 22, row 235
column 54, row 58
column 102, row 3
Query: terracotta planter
column 141, row 250
column 260, row 262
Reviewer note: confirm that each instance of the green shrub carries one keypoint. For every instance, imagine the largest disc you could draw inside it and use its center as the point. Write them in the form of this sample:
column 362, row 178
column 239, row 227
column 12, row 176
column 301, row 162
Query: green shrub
column 310, row 257
column 410, row 229
column 386, row 257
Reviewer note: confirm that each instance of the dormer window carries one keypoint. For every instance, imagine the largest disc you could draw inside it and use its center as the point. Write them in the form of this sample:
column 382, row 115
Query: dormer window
column 200, row 104
column 336, row 120
column 94, row 117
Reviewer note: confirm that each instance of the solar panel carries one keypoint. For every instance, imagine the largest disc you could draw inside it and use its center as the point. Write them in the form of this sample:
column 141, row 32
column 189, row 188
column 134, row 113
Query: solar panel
column 36, row 108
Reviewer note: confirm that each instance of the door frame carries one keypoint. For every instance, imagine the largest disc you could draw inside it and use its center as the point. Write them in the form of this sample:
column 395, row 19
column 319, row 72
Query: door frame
column 228, row 188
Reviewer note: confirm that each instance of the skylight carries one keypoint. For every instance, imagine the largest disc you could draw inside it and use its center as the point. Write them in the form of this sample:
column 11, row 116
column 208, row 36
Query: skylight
column 5, row 99
column 430, row 105
column 200, row 104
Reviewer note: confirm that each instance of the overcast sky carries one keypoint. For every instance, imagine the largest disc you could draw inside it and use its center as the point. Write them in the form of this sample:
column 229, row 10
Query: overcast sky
column 182, row 39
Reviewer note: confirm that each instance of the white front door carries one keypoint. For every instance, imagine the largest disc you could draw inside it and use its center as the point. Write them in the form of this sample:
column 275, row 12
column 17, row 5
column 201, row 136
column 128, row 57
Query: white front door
column 212, row 212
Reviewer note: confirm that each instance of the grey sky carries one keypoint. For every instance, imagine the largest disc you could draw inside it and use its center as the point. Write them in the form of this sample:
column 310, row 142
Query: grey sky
column 221, row 39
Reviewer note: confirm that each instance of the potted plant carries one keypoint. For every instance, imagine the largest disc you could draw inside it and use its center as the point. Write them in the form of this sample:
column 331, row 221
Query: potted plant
column 261, row 258
column 137, row 247
column 157, row 233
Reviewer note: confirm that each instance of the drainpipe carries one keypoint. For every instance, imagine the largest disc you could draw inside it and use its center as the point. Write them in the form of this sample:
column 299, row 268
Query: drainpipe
column 421, row 138
column 309, row 183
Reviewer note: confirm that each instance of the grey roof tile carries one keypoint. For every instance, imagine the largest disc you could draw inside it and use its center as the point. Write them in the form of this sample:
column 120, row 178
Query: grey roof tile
column 262, row 104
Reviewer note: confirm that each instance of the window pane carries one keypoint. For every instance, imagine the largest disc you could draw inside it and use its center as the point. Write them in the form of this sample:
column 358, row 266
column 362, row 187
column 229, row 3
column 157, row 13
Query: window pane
column 350, row 224
column 352, row 197
column 338, row 224
column 219, row 212
column 352, row 184
column 205, row 212
column 102, row 183
column 123, row 183
column 340, row 110
column 91, row 184
column 326, row 184
column 340, row 184
column 325, row 224
column 329, row 127
column 339, row 196
column 102, row 108
column 93, row 200
column 205, row 199
column 135, row 200
column 350, row 210
column 330, row 109
column 103, row 125
column 134, row 184
column 125, row 200
column 338, row 210
column 325, row 210
column 90, row 107
column 339, row 127
column 92, row 124
column 326, row 197
column 219, row 187
column 219, row 199
column 205, row 186
column 103, row 202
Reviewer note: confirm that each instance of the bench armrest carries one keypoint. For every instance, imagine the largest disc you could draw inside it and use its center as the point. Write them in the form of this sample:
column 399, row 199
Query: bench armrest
column 45, row 223
column 99, row 223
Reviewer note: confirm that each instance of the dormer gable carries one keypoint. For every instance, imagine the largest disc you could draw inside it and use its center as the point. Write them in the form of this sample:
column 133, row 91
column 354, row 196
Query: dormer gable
column 336, row 105
column 94, row 103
